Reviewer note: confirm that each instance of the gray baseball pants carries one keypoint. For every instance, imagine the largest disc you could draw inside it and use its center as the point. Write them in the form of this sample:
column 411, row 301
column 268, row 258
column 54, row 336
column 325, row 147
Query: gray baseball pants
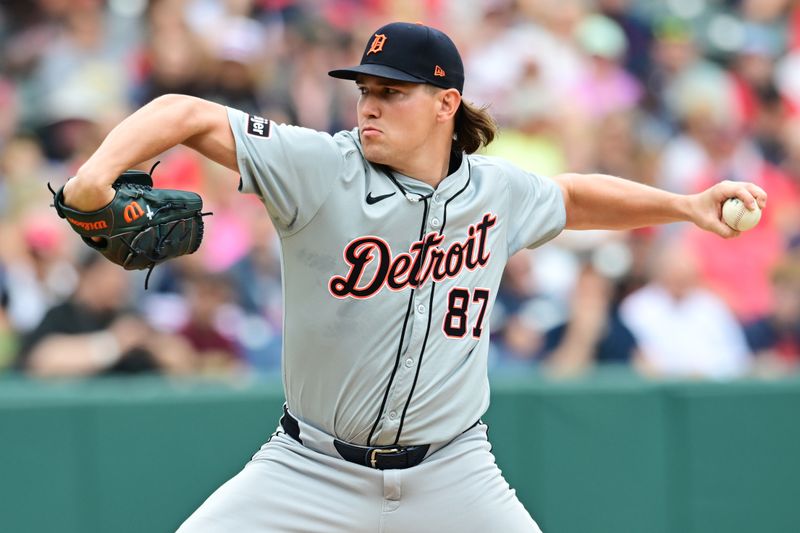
column 290, row 487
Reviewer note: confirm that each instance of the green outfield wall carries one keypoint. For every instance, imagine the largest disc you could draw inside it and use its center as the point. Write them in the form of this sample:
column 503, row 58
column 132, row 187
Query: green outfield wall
column 607, row 453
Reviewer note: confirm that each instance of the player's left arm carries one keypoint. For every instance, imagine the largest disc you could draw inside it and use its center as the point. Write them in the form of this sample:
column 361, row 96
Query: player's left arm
column 598, row 201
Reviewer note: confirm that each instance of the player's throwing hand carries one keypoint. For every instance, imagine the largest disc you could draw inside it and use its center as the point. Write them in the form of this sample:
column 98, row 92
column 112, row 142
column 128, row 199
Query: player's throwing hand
column 706, row 206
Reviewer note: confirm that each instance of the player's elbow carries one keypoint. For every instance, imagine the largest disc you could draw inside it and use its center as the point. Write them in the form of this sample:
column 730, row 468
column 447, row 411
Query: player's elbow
column 172, row 103
column 166, row 99
column 189, row 113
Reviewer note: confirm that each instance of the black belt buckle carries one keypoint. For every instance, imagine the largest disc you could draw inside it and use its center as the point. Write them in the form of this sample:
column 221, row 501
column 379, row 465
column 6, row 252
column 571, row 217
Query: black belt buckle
column 381, row 458
column 374, row 454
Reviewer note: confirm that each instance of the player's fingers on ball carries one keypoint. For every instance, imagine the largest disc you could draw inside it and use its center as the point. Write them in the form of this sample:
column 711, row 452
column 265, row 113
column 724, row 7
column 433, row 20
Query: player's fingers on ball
column 759, row 194
column 744, row 194
column 724, row 230
column 720, row 227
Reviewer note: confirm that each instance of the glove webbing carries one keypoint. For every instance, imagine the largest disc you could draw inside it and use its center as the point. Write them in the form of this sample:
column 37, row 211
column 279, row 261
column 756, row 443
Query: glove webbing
column 161, row 240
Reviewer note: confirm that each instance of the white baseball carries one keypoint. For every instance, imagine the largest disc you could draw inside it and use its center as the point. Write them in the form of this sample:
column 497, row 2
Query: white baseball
column 738, row 216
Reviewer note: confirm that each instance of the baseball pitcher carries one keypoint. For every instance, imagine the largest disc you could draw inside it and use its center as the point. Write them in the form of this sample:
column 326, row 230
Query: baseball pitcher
column 394, row 237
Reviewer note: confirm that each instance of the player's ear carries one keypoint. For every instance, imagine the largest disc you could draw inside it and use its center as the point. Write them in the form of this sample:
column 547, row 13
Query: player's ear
column 449, row 102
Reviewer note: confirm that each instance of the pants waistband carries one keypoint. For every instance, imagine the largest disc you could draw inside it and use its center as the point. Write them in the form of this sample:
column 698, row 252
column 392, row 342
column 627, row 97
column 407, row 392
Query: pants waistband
column 378, row 457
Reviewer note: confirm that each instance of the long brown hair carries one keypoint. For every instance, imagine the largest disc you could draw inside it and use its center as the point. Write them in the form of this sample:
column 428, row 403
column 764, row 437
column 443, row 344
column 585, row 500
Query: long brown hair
column 474, row 128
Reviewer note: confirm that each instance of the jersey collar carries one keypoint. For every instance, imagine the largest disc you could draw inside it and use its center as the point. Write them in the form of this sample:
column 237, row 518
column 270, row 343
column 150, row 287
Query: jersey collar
column 448, row 187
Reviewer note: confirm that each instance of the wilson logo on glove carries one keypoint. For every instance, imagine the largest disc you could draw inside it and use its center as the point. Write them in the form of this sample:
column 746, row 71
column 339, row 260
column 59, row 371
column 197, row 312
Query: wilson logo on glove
column 132, row 211
column 88, row 226
column 173, row 225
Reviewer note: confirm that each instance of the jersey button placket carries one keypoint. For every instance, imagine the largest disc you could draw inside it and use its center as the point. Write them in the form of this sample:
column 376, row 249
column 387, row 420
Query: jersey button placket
column 436, row 213
column 407, row 368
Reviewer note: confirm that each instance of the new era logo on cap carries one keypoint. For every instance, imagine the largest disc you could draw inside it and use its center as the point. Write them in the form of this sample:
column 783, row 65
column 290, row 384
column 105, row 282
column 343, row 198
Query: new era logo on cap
column 410, row 52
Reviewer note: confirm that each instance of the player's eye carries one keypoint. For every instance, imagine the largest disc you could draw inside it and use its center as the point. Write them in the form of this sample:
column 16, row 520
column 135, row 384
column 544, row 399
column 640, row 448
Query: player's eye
column 362, row 90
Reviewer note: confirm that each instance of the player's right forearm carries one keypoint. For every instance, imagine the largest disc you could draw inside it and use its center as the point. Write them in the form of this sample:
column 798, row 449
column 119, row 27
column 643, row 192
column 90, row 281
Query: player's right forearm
column 163, row 123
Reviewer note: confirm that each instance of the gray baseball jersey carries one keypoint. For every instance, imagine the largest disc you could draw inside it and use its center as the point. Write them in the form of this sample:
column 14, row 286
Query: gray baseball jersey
column 388, row 283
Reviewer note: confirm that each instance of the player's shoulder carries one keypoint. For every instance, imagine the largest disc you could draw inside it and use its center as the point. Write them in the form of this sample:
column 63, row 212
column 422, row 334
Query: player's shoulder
column 486, row 161
column 246, row 124
column 345, row 141
column 348, row 142
column 495, row 167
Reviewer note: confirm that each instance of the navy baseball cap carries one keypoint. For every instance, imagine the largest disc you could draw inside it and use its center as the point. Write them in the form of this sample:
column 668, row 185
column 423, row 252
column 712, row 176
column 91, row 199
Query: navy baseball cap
column 410, row 52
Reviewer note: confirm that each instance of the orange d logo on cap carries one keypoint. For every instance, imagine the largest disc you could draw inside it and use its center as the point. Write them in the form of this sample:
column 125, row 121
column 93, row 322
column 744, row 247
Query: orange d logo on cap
column 377, row 43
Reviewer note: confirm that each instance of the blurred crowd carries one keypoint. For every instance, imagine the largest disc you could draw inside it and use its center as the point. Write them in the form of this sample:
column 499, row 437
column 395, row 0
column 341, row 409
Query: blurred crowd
column 678, row 94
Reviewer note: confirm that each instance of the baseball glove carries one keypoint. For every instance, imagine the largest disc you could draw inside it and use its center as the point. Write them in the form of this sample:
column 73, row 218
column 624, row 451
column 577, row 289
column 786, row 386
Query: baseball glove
column 142, row 226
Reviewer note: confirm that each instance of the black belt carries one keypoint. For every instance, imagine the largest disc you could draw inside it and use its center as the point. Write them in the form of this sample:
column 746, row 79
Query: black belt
column 378, row 457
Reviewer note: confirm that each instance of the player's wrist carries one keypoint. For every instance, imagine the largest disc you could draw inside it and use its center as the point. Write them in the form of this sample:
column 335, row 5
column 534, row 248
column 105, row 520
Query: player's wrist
column 97, row 174
column 87, row 194
column 686, row 207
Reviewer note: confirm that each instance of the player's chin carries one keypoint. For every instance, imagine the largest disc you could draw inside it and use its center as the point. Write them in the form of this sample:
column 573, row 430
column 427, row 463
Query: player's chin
column 375, row 154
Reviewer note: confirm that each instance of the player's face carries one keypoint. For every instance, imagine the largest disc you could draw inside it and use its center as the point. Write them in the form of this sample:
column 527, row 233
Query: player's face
column 395, row 119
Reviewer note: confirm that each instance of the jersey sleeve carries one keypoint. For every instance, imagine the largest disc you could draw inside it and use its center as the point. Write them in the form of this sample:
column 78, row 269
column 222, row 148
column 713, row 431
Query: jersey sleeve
column 536, row 209
column 292, row 169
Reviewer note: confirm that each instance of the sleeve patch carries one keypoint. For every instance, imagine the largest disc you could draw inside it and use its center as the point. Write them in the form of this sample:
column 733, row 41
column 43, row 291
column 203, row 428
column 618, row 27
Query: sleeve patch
column 258, row 126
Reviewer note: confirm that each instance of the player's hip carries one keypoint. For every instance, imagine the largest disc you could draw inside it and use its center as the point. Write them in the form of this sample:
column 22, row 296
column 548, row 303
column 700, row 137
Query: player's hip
column 386, row 457
column 431, row 496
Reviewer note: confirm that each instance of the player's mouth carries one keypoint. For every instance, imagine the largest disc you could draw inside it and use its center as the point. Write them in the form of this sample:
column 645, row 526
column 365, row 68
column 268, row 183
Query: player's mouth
column 369, row 131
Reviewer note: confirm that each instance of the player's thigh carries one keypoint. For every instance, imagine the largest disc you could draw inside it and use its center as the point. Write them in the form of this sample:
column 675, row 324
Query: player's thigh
column 288, row 488
column 460, row 488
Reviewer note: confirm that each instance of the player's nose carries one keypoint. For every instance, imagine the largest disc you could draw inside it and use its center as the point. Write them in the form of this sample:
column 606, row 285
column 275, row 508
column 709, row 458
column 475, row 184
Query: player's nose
column 368, row 107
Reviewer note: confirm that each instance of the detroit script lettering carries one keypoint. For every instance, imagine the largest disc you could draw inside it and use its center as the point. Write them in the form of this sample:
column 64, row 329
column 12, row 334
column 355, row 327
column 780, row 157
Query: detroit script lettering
column 424, row 260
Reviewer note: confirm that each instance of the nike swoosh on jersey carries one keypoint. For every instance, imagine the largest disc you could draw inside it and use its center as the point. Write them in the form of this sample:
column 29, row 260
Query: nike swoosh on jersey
column 375, row 199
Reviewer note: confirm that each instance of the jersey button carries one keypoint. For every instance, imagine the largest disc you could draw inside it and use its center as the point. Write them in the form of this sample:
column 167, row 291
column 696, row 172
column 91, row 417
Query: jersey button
column 420, row 308
column 392, row 415
column 435, row 222
column 409, row 362
column 437, row 198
